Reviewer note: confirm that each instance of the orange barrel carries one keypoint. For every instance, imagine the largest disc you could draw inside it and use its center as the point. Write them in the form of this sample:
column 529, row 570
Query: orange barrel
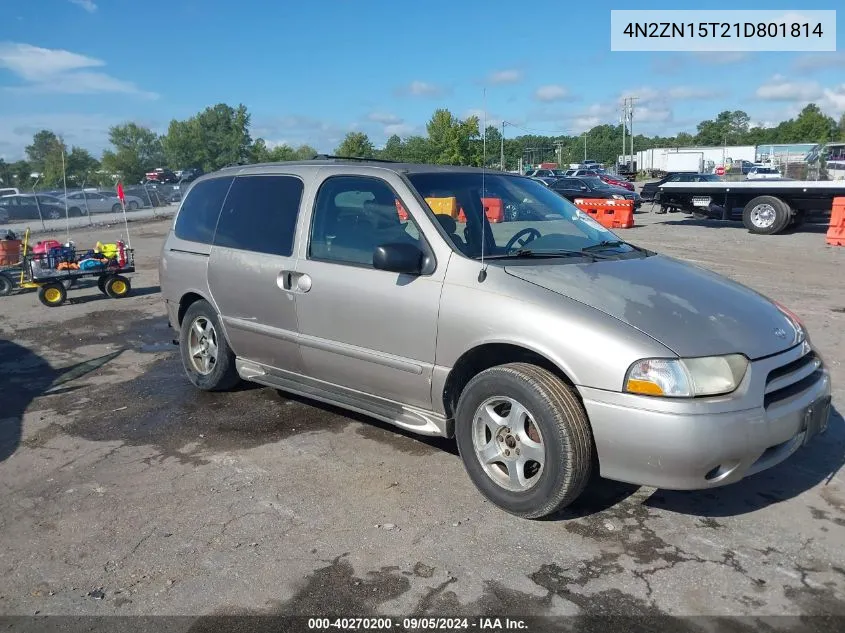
column 836, row 229
column 10, row 252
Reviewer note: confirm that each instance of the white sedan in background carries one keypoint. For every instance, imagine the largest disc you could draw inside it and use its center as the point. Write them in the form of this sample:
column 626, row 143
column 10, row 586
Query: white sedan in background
column 763, row 173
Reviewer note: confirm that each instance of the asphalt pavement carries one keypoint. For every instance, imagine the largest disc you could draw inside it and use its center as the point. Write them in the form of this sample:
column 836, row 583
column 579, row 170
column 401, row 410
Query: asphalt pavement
column 127, row 492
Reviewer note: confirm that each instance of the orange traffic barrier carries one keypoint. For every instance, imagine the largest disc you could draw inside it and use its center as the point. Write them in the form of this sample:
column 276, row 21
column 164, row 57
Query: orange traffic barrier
column 446, row 206
column 836, row 229
column 493, row 208
column 611, row 214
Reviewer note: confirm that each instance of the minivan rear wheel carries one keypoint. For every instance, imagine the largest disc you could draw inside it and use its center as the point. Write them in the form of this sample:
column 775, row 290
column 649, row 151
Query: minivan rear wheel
column 206, row 356
column 525, row 439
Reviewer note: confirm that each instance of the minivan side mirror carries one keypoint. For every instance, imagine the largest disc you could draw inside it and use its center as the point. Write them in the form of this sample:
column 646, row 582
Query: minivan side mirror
column 406, row 259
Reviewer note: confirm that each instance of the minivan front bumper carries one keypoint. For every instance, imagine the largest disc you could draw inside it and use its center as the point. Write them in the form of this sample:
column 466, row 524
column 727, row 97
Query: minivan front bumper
column 704, row 443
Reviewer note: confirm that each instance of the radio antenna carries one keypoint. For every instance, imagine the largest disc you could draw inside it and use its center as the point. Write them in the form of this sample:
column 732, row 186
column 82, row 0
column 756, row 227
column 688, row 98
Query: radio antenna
column 482, row 274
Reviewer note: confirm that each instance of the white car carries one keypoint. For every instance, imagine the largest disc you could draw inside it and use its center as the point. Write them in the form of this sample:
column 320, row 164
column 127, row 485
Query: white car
column 97, row 202
column 763, row 173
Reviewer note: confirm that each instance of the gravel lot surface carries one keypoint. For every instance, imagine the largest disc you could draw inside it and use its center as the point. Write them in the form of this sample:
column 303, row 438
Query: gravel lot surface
column 125, row 491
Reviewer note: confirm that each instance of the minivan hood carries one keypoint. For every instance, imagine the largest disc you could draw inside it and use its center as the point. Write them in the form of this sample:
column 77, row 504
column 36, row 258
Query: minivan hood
column 690, row 310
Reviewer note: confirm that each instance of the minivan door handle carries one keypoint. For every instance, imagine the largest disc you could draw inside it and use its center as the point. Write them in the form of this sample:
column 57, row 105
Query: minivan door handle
column 292, row 281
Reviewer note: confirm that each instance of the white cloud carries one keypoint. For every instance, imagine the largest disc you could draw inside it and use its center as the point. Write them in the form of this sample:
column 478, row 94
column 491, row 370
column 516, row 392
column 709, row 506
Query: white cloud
column 652, row 114
column 779, row 88
column 46, row 70
column 384, row 117
column 551, row 92
column 403, row 130
column 819, row 61
column 508, row 76
column 834, row 99
column 419, row 88
column 33, row 63
column 85, row 130
column 88, row 5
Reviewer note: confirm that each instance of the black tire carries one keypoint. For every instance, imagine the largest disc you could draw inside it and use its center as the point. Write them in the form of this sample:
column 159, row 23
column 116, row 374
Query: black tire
column 223, row 376
column 116, row 208
column 117, row 286
column 761, row 204
column 6, row 285
column 101, row 283
column 54, row 214
column 52, row 295
column 564, row 428
column 75, row 212
column 132, row 206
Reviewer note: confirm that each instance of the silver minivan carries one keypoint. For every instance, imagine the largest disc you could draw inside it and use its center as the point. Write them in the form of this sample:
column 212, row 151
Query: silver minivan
column 483, row 306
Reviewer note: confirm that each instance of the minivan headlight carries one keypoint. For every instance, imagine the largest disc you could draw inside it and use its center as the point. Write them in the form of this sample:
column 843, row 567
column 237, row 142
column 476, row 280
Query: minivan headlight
column 686, row 377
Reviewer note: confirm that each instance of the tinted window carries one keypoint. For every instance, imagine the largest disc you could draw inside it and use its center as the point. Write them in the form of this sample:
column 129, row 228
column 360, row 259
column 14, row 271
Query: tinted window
column 260, row 214
column 353, row 215
column 198, row 215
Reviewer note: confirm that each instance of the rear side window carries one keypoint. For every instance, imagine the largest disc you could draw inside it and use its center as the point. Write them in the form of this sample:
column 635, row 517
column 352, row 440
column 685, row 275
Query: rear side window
column 260, row 214
column 198, row 215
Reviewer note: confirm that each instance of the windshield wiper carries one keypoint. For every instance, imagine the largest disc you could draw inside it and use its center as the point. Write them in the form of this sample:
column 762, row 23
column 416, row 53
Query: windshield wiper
column 611, row 244
column 524, row 253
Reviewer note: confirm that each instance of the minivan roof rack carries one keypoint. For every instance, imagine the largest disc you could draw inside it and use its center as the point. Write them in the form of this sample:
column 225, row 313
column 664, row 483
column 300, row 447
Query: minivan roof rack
column 332, row 157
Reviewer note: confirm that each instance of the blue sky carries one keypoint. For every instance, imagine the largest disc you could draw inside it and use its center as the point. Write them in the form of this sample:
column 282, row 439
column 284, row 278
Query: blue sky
column 312, row 71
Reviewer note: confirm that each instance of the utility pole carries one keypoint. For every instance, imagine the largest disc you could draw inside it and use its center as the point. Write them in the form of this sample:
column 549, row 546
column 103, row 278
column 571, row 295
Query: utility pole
column 631, row 110
column 585, row 146
column 624, row 125
column 559, row 151
column 502, row 156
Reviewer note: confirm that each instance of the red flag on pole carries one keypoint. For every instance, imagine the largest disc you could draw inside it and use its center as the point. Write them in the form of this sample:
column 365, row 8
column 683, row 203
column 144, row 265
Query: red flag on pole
column 120, row 192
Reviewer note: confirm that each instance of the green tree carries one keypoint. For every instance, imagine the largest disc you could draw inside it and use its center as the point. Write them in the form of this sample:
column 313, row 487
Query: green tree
column 812, row 124
column 451, row 139
column 355, row 145
column 417, row 149
column 304, row 152
column 842, row 127
column 21, row 174
column 136, row 150
column 44, row 146
column 81, row 167
column 216, row 137
column 393, row 149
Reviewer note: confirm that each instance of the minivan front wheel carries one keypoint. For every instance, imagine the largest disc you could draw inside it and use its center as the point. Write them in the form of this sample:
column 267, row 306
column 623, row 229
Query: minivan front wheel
column 206, row 357
column 524, row 438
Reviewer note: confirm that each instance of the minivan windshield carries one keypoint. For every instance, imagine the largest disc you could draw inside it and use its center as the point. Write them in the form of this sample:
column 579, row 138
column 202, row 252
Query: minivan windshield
column 521, row 217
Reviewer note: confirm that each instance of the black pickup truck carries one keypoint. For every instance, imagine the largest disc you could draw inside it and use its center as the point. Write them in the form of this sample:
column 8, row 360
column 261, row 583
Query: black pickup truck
column 765, row 206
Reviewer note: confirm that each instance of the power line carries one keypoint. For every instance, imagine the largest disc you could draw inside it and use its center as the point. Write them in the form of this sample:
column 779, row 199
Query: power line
column 535, row 131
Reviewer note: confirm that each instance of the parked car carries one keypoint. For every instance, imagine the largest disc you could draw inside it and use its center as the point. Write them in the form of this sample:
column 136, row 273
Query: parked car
column 650, row 188
column 617, row 181
column 190, row 174
column 541, row 173
column 763, row 173
column 578, row 173
column 160, row 175
column 592, row 187
column 567, row 353
column 9, row 191
column 81, row 203
column 25, row 206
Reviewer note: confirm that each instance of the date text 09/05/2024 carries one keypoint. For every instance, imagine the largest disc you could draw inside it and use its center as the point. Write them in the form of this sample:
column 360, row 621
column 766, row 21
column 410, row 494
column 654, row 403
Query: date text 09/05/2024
column 722, row 29
column 418, row 624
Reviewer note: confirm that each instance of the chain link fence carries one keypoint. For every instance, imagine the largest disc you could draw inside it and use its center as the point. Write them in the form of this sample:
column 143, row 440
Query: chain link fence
column 42, row 203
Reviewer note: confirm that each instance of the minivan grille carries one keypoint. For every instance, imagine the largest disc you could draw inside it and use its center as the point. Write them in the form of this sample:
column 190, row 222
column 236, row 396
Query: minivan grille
column 791, row 379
